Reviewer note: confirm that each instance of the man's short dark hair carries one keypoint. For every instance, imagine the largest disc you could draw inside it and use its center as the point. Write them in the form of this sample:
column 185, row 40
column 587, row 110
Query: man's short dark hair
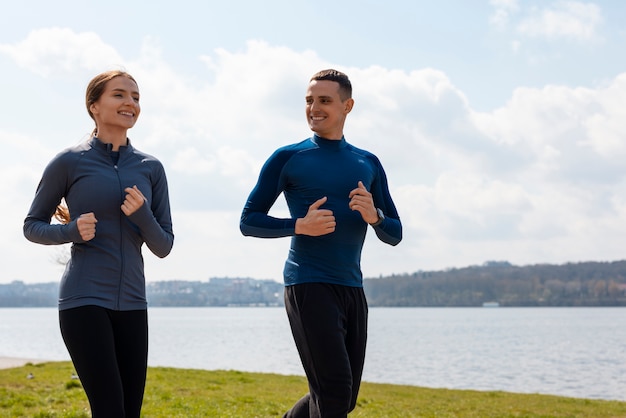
column 345, row 87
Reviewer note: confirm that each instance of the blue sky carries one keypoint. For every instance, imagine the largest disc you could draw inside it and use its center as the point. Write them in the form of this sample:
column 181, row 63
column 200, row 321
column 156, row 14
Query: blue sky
column 500, row 123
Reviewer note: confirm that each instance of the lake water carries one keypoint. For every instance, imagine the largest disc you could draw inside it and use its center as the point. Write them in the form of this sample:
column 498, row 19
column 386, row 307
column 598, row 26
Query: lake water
column 577, row 352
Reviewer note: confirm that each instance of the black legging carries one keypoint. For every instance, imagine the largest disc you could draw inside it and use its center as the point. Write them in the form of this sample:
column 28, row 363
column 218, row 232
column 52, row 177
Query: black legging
column 109, row 350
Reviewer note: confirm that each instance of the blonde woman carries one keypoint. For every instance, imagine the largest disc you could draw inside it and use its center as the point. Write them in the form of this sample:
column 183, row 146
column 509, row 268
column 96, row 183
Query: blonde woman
column 117, row 199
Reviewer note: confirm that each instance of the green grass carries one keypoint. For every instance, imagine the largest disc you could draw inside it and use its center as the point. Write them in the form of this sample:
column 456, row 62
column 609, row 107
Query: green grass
column 184, row 393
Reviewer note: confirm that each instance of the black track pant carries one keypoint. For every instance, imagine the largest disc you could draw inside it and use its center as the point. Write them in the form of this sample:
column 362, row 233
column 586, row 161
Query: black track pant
column 109, row 350
column 329, row 326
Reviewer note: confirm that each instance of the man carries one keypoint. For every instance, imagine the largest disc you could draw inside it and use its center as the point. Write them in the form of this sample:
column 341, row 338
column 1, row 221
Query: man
column 333, row 190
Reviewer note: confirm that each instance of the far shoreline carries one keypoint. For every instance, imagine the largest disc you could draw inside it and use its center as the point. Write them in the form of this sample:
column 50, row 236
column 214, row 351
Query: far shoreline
column 12, row 362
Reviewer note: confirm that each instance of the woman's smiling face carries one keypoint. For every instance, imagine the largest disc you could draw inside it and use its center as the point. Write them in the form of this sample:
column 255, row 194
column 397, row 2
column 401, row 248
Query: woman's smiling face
column 118, row 106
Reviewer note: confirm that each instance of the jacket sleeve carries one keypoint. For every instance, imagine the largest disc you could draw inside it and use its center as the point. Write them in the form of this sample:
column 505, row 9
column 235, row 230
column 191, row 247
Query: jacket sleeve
column 51, row 189
column 155, row 220
column 255, row 220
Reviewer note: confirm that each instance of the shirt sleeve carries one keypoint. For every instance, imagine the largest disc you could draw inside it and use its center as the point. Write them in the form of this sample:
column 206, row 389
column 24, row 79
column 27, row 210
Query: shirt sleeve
column 390, row 229
column 255, row 220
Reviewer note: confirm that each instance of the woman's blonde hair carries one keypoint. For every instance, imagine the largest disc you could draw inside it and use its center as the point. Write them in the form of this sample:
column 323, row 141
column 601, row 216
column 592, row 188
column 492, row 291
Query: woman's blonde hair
column 62, row 214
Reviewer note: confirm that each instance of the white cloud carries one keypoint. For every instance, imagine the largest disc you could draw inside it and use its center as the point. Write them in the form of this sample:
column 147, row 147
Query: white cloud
column 52, row 51
column 605, row 122
column 503, row 10
column 564, row 134
column 565, row 19
column 191, row 161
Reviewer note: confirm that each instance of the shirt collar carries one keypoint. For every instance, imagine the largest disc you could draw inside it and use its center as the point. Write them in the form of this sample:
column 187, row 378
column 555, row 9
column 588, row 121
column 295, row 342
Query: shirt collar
column 329, row 143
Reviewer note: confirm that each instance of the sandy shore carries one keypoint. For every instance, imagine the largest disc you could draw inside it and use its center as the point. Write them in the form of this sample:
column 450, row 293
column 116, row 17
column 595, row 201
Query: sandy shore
column 9, row 362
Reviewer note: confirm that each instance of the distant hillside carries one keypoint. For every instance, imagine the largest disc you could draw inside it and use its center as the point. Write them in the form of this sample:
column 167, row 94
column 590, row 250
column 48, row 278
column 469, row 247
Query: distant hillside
column 571, row 284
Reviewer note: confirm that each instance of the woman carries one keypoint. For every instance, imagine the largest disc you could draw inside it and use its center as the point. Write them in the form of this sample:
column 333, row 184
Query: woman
column 117, row 199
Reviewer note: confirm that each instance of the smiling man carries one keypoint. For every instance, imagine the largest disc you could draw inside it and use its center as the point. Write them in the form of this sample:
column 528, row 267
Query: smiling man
column 334, row 191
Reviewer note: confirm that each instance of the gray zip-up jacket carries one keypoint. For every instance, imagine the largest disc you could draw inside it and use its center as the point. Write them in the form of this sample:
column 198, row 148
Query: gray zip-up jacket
column 107, row 271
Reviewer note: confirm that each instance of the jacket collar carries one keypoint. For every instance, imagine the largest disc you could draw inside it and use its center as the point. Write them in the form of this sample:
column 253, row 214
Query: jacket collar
column 107, row 148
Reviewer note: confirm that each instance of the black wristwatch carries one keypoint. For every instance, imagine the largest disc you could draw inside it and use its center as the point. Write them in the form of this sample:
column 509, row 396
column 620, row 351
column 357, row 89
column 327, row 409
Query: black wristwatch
column 381, row 217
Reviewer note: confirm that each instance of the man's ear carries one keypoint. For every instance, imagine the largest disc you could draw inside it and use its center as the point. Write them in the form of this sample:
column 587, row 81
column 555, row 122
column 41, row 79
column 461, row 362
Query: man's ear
column 349, row 103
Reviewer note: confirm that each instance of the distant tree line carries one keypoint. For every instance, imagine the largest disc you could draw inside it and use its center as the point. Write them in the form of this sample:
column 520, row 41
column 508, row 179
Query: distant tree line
column 571, row 284
column 18, row 294
column 215, row 292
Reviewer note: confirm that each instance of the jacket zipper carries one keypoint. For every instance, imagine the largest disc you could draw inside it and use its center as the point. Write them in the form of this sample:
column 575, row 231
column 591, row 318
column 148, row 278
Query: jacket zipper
column 121, row 240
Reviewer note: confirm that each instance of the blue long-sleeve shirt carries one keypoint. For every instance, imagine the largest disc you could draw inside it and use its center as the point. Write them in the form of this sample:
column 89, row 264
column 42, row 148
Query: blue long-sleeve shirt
column 306, row 172
column 108, row 270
